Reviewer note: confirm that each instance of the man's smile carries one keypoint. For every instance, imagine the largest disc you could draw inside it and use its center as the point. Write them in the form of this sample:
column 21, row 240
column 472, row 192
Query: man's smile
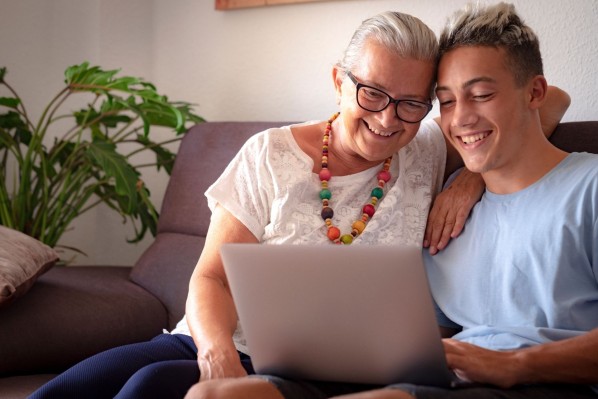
column 474, row 137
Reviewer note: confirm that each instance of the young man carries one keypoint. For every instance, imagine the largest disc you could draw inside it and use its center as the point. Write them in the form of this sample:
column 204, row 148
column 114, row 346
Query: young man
column 520, row 285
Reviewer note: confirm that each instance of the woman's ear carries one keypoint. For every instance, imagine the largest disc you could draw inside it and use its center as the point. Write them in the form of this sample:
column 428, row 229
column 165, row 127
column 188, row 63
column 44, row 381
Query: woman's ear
column 538, row 89
column 338, row 76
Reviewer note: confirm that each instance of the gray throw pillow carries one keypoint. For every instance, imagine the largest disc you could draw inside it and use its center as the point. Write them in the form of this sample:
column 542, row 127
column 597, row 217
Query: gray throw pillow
column 22, row 260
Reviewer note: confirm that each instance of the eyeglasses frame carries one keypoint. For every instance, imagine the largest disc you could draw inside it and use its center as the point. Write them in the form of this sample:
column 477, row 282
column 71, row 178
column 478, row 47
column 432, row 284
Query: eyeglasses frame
column 391, row 100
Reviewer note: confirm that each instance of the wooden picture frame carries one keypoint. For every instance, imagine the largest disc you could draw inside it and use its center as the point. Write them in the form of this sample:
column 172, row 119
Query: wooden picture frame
column 234, row 4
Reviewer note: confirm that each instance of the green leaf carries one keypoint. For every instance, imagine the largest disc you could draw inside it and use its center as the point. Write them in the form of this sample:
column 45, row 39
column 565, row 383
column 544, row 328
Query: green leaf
column 10, row 102
column 61, row 151
column 115, row 166
column 123, row 84
column 71, row 72
column 85, row 116
column 109, row 116
column 112, row 121
column 11, row 120
column 147, row 214
column 2, row 74
column 159, row 114
column 83, row 74
column 6, row 140
column 164, row 157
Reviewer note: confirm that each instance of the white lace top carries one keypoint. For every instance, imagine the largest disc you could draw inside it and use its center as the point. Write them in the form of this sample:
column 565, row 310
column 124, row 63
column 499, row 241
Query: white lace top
column 270, row 187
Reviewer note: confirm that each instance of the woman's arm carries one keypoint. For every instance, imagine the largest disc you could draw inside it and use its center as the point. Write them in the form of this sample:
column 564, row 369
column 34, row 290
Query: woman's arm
column 210, row 310
column 551, row 112
column 452, row 206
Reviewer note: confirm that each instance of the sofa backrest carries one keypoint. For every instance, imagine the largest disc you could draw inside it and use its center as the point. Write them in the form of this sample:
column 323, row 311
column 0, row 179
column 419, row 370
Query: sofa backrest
column 576, row 136
column 204, row 153
column 166, row 266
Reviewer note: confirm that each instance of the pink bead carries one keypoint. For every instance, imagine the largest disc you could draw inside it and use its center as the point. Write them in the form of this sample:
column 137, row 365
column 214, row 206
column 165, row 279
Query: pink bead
column 384, row 175
column 325, row 175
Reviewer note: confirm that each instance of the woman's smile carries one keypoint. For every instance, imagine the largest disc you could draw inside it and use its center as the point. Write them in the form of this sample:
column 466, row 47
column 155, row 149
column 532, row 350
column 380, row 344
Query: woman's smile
column 379, row 132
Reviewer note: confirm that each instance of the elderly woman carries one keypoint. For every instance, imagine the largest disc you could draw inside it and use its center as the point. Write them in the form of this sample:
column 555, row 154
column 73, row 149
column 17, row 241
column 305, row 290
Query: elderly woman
column 354, row 179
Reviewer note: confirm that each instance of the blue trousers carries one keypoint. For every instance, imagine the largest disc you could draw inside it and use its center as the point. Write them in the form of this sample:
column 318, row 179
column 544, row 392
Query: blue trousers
column 165, row 367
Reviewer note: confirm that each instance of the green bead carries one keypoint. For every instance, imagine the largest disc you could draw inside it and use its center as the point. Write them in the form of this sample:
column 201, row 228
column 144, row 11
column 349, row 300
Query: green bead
column 325, row 194
column 377, row 192
column 346, row 239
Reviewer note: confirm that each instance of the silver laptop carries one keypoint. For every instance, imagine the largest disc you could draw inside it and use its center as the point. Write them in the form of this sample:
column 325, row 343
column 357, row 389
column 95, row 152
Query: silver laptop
column 359, row 314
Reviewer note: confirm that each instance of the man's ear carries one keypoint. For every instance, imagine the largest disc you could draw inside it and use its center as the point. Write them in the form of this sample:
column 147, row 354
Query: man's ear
column 338, row 76
column 538, row 89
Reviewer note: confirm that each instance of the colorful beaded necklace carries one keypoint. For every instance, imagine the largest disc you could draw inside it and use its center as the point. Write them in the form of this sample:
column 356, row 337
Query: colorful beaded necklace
column 358, row 226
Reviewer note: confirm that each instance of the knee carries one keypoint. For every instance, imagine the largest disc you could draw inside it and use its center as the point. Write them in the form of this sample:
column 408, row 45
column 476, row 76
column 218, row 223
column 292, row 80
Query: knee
column 208, row 389
column 233, row 388
column 168, row 379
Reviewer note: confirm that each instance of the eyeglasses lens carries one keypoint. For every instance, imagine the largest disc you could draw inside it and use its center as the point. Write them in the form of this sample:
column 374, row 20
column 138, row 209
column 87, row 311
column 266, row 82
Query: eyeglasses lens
column 374, row 100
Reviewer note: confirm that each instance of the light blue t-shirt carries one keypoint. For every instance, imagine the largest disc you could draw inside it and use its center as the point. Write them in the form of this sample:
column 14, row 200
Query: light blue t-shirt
column 525, row 269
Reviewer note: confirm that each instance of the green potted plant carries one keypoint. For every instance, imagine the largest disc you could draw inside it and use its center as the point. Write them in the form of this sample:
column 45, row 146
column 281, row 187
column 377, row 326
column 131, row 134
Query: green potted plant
column 50, row 174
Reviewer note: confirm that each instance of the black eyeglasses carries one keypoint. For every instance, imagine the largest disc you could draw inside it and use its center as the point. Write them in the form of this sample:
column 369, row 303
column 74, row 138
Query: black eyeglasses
column 375, row 100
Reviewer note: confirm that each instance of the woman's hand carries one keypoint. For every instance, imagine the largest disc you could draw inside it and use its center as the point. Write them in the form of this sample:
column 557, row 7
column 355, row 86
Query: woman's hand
column 451, row 209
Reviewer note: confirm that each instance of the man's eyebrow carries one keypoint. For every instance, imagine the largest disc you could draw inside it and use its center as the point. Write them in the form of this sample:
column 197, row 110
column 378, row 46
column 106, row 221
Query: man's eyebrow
column 469, row 83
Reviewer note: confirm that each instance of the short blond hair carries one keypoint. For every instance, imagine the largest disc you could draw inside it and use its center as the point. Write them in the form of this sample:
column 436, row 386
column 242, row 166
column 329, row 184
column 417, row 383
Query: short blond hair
column 496, row 26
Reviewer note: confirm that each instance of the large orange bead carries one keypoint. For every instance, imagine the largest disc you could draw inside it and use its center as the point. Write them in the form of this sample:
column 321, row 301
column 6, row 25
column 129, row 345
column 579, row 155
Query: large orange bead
column 333, row 233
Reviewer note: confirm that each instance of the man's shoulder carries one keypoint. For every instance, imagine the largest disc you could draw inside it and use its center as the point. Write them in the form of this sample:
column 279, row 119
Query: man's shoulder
column 582, row 161
column 584, row 157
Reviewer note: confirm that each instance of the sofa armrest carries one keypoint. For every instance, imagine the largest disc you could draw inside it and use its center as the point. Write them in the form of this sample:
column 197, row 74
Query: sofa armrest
column 165, row 270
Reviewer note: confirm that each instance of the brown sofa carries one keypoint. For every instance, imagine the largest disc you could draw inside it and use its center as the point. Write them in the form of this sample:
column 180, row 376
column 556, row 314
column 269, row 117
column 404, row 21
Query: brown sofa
column 73, row 312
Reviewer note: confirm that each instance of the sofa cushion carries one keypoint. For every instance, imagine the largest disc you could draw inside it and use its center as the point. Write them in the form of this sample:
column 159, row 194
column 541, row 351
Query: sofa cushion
column 22, row 260
column 74, row 312
column 20, row 387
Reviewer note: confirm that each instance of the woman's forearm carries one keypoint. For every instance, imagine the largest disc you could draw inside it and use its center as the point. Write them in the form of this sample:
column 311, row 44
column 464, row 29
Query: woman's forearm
column 211, row 314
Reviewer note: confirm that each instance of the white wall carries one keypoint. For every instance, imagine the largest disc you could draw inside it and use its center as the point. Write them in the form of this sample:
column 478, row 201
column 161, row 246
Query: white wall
column 267, row 63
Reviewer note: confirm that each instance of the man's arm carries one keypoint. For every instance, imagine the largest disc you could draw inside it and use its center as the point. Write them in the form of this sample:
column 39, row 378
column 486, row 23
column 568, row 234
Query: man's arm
column 573, row 360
